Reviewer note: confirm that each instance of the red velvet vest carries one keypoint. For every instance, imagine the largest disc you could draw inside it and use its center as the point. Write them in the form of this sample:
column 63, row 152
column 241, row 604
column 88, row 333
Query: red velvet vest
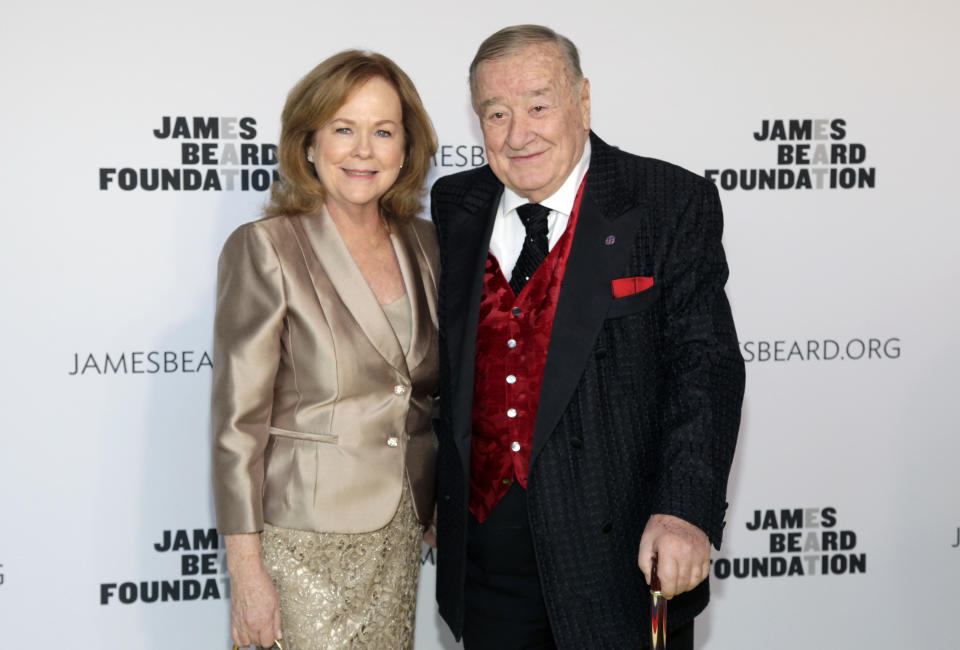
column 512, row 340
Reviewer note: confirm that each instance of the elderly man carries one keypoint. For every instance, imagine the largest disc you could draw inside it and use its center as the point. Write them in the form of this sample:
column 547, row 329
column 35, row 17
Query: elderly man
column 591, row 379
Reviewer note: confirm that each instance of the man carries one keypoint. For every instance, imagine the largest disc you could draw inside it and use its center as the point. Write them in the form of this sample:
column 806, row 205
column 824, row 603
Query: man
column 591, row 380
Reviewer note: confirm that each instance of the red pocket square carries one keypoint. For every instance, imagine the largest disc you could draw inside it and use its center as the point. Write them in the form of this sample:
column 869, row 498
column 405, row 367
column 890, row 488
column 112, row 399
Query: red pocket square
column 628, row 286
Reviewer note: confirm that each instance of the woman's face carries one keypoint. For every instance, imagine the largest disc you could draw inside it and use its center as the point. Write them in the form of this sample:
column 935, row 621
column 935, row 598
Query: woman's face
column 358, row 153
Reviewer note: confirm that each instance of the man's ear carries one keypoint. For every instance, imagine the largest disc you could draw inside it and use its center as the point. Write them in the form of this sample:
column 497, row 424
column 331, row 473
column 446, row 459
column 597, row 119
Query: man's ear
column 585, row 103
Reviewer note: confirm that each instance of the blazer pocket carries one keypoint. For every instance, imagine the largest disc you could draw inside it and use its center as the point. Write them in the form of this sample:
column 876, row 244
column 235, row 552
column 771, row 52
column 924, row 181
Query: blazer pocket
column 634, row 303
column 623, row 287
column 300, row 435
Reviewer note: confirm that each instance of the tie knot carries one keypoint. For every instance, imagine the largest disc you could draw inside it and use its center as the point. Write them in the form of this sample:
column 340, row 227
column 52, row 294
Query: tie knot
column 533, row 216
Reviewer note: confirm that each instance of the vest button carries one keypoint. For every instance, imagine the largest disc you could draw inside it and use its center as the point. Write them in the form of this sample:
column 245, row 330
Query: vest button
column 515, row 446
column 516, row 311
column 511, row 379
column 511, row 344
column 399, row 389
column 511, row 413
column 392, row 441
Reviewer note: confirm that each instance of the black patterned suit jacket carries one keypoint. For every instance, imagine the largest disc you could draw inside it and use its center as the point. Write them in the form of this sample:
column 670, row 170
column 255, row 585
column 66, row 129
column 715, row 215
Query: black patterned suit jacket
column 640, row 404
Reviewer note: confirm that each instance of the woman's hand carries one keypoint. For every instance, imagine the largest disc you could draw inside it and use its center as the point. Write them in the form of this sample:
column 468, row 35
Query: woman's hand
column 254, row 604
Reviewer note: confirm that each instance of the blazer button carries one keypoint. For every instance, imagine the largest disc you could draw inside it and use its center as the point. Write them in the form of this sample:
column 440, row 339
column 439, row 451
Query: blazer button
column 607, row 527
column 393, row 441
column 576, row 443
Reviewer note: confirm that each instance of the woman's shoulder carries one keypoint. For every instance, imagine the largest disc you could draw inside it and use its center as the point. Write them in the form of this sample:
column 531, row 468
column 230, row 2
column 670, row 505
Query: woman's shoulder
column 424, row 231
column 270, row 227
column 256, row 238
column 426, row 236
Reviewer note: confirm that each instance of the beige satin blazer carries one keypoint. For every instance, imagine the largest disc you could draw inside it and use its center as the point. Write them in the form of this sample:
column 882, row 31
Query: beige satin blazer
column 316, row 411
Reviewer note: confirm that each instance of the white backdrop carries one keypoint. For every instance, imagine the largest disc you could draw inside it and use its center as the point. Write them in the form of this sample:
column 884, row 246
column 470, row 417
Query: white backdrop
column 845, row 298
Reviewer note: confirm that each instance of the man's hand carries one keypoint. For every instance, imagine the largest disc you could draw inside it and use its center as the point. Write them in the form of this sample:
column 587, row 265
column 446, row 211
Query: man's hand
column 683, row 554
column 430, row 534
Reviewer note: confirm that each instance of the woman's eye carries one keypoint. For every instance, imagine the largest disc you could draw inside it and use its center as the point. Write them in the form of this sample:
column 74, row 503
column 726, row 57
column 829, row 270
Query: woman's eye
column 383, row 133
column 343, row 130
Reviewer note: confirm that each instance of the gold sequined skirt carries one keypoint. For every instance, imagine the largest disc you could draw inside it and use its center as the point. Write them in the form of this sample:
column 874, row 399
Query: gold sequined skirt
column 347, row 590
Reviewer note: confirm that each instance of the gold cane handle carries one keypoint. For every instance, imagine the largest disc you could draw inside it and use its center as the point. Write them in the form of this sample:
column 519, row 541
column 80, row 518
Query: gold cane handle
column 658, row 611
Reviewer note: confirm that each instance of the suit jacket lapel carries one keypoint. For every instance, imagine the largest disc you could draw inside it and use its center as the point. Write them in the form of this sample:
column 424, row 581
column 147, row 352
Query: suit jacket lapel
column 418, row 278
column 585, row 293
column 326, row 254
column 469, row 231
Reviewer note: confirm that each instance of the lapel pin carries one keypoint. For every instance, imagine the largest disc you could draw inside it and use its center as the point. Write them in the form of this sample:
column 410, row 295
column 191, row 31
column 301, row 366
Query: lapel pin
column 609, row 240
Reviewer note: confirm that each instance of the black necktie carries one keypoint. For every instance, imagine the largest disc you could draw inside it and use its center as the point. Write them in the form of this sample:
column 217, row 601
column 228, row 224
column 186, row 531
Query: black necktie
column 535, row 247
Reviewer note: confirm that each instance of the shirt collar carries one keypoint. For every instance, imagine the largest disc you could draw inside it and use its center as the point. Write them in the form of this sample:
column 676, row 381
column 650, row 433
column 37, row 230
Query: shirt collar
column 561, row 200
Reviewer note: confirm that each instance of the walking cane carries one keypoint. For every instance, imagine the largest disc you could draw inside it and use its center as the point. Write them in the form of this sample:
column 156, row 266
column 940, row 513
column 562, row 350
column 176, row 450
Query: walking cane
column 658, row 611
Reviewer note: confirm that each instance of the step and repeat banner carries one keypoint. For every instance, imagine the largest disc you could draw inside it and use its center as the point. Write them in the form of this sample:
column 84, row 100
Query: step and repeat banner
column 137, row 136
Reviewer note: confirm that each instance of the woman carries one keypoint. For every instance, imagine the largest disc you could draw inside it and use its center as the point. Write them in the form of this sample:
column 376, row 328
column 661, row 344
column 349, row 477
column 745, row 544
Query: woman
column 325, row 362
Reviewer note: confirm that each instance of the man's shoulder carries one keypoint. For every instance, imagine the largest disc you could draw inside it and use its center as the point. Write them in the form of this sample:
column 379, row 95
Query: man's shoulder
column 621, row 180
column 627, row 164
column 455, row 188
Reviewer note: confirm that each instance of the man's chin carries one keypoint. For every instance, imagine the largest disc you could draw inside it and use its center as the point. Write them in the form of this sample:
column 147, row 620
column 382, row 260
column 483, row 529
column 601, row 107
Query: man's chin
column 525, row 186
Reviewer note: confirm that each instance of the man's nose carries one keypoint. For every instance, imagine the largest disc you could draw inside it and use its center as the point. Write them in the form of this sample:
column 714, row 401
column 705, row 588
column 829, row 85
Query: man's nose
column 520, row 133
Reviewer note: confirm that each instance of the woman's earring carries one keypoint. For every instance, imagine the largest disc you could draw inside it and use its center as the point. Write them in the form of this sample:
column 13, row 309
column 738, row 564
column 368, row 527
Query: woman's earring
column 310, row 158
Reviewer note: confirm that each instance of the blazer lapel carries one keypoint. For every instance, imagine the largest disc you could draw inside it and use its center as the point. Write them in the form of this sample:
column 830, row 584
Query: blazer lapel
column 327, row 256
column 585, row 293
column 469, row 229
column 418, row 278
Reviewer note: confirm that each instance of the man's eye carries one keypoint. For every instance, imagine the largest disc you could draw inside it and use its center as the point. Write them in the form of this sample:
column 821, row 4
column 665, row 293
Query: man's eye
column 539, row 108
column 496, row 115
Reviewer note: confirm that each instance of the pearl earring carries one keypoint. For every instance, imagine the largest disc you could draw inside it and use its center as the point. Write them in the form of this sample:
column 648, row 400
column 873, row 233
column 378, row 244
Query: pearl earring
column 309, row 157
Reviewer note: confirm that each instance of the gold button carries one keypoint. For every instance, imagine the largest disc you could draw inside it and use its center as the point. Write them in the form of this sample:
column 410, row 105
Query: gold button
column 393, row 441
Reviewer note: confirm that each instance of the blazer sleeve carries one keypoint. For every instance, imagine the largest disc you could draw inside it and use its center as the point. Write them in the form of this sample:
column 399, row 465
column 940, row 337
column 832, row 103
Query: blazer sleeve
column 248, row 328
column 705, row 371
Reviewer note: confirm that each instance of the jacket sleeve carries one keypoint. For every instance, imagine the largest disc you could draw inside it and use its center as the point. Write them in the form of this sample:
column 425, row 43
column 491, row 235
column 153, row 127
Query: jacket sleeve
column 248, row 327
column 704, row 370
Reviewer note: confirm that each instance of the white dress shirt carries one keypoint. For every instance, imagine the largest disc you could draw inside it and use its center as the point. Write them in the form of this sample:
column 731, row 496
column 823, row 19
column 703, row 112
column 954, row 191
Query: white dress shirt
column 506, row 242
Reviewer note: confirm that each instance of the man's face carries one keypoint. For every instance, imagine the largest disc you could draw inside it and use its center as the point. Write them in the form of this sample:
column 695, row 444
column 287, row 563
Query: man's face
column 534, row 122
